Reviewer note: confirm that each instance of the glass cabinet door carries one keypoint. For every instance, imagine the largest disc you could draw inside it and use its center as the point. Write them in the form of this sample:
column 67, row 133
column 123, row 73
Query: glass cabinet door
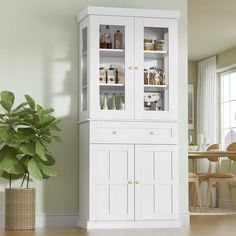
column 113, row 75
column 155, row 75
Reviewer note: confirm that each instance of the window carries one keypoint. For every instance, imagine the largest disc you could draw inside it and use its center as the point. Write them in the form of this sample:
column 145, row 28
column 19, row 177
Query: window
column 228, row 107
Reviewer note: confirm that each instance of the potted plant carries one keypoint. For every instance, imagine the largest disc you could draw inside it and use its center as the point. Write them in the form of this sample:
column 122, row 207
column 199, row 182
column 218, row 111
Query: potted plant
column 25, row 133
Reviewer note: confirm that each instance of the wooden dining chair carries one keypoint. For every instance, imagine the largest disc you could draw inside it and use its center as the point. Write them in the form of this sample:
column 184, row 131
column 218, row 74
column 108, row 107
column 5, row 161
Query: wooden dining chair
column 219, row 177
column 203, row 177
column 232, row 182
column 193, row 178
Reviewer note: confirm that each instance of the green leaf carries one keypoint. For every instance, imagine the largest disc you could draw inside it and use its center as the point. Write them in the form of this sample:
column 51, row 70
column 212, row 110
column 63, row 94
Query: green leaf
column 49, row 110
column 9, row 162
column 28, row 148
column 34, row 169
column 57, row 138
column 20, row 106
column 40, row 150
column 5, row 133
column 30, row 101
column 46, row 170
column 41, row 114
column 8, row 176
column 7, row 99
column 50, row 161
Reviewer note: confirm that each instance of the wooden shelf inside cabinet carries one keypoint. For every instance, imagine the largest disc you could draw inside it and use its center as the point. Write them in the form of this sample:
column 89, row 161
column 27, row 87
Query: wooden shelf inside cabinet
column 155, row 54
column 155, row 86
column 112, row 52
column 112, row 86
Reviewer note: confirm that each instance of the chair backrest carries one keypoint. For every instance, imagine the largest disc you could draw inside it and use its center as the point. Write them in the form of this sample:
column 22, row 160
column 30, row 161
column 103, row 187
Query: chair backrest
column 231, row 147
column 215, row 146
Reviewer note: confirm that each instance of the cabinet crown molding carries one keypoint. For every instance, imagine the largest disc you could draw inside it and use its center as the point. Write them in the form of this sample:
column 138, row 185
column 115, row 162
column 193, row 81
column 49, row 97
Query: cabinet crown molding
column 118, row 11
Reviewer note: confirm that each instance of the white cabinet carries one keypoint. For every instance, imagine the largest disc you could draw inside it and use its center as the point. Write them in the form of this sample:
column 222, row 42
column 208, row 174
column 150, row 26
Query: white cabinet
column 128, row 128
column 133, row 182
column 132, row 82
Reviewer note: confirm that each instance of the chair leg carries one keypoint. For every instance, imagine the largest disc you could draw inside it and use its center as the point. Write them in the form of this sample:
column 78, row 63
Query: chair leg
column 221, row 195
column 209, row 193
column 198, row 194
column 231, row 197
column 194, row 194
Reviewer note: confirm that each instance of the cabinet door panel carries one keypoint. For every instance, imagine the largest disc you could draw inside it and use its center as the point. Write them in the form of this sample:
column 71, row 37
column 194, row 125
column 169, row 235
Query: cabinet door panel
column 112, row 169
column 111, row 73
column 156, row 76
column 155, row 185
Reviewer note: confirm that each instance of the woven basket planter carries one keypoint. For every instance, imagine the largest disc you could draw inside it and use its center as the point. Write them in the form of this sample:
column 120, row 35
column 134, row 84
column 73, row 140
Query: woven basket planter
column 20, row 209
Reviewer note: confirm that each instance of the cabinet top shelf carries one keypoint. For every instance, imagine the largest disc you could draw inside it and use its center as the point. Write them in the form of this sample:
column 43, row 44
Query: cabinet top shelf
column 104, row 52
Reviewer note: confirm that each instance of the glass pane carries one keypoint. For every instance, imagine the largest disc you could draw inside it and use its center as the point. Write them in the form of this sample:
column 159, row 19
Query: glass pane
column 226, row 139
column 225, row 95
column 226, row 116
column 233, row 135
column 112, row 67
column 233, row 86
column 233, row 113
column 84, row 70
column 156, row 91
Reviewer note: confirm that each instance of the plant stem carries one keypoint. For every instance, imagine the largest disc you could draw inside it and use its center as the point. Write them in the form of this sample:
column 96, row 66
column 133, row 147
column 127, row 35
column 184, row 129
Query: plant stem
column 23, row 181
column 10, row 181
column 28, row 181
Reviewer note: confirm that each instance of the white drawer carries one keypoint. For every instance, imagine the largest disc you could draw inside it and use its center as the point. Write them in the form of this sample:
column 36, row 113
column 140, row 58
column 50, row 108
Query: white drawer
column 133, row 132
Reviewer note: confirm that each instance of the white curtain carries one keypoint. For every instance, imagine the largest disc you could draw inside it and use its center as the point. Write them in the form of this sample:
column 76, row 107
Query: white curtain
column 206, row 108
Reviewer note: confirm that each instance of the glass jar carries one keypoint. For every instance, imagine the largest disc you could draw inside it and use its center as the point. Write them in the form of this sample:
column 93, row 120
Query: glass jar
column 159, row 45
column 148, row 44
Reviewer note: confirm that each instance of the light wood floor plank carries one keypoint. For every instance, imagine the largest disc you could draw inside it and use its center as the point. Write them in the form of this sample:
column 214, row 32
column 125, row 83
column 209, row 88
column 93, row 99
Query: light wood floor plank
column 200, row 226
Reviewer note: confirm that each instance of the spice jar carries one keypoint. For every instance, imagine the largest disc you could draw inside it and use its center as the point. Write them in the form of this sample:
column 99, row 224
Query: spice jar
column 102, row 75
column 148, row 44
column 146, row 79
column 111, row 75
column 159, row 45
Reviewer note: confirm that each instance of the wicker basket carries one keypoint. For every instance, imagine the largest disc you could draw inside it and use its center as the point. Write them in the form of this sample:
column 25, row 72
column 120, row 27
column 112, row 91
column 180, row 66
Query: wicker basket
column 20, row 209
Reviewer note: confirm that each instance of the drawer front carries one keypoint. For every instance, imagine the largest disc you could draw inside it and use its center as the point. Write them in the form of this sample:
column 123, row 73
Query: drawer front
column 133, row 132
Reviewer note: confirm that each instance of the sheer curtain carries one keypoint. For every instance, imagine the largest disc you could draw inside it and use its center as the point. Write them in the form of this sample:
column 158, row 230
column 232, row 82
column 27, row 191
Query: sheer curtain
column 206, row 107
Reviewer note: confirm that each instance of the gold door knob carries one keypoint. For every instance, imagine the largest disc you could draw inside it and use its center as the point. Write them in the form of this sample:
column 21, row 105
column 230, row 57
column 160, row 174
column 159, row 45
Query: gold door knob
column 114, row 132
column 137, row 182
column 130, row 182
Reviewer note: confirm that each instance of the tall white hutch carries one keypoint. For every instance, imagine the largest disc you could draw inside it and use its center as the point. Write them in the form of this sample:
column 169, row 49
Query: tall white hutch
column 128, row 143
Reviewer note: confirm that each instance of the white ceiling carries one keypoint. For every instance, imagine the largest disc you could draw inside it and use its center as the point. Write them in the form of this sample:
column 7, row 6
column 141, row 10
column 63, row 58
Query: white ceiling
column 211, row 27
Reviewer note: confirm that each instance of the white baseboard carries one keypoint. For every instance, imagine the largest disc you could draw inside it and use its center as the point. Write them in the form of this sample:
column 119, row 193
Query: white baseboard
column 185, row 219
column 129, row 224
column 50, row 220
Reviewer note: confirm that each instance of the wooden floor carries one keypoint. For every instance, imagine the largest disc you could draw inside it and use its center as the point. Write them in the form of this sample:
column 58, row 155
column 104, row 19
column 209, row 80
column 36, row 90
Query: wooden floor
column 200, row 226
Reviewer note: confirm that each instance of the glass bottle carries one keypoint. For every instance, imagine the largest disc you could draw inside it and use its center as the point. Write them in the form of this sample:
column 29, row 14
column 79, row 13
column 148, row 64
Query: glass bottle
column 101, row 40
column 107, row 38
column 118, row 40
column 113, row 102
column 105, row 101
column 121, row 104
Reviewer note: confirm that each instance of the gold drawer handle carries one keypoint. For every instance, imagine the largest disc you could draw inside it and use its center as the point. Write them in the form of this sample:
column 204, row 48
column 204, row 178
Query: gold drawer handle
column 137, row 182
column 136, row 68
column 114, row 132
column 130, row 182
column 131, row 67
column 152, row 133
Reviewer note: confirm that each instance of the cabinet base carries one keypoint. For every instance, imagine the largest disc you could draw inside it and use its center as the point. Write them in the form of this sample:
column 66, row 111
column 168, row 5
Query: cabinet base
column 175, row 223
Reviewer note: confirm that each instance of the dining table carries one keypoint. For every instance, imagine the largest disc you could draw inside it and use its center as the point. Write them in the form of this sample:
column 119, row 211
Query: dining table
column 195, row 155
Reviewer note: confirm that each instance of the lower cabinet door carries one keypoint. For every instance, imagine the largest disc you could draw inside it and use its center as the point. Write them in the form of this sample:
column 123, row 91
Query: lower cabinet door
column 112, row 182
column 155, row 182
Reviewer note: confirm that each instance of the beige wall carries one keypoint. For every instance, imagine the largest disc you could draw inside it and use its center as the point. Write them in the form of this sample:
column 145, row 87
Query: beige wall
column 38, row 56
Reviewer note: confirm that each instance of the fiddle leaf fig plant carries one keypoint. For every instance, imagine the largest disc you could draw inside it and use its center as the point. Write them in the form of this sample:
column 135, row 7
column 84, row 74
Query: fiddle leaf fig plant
column 25, row 134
